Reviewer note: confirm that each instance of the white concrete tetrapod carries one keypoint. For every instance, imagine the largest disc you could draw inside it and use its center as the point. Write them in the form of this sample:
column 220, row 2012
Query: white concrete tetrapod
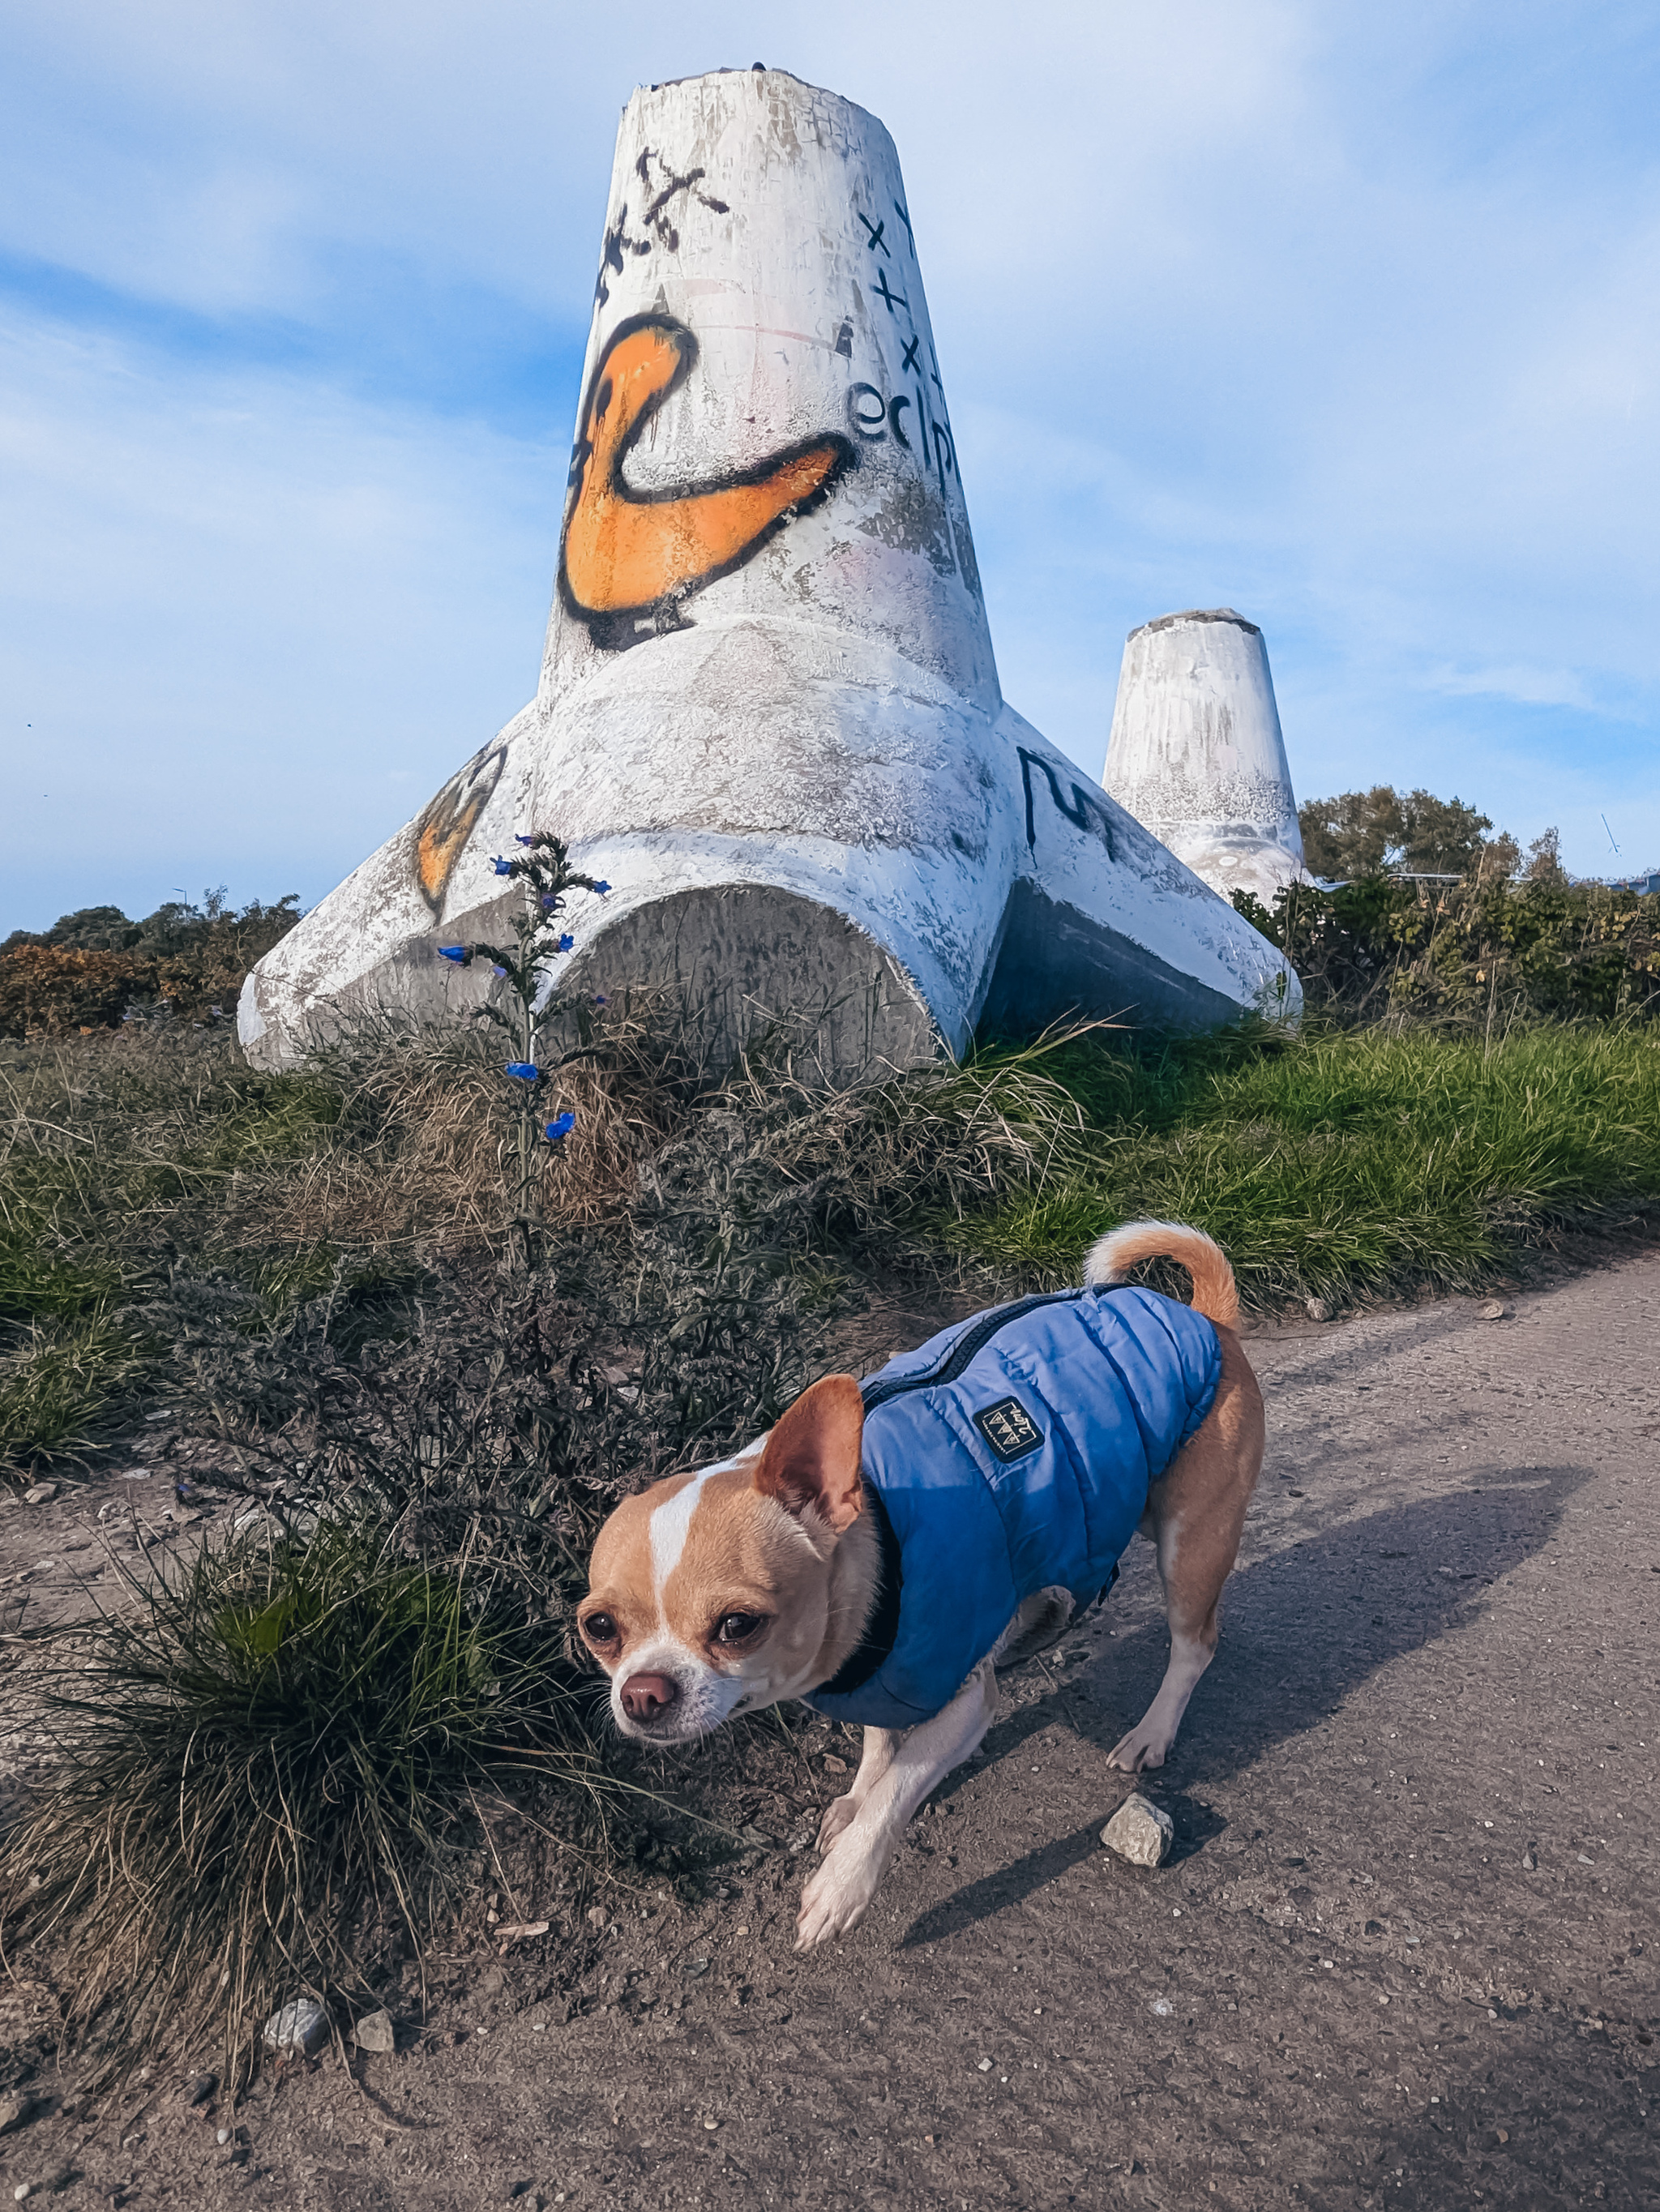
column 769, row 714
column 1196, row 754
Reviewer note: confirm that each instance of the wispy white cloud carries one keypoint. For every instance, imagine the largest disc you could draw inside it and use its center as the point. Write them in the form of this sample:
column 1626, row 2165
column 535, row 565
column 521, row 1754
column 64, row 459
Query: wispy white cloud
column 1527, row 687
column 251, row 624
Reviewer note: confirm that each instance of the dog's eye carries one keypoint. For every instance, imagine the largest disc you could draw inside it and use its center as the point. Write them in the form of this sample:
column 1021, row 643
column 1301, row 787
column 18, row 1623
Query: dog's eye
column 599, row 1628
column 737, row 1627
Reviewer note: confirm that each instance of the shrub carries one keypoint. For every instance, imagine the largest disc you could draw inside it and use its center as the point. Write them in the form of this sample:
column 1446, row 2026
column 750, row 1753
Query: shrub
column 1480, row 953
column 264, row 1765
column 49, row 987
column 91, row 968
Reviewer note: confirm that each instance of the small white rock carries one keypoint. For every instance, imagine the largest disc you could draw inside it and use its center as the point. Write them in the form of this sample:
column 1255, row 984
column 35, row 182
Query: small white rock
column 985, row 2065
column 20, row 2192
column 302, row 2026
column 1140, row 1831
column 221, row 2135
column 375, row 2032
column 1318, row 1309
column 1495, row 1310
column 38, row 1493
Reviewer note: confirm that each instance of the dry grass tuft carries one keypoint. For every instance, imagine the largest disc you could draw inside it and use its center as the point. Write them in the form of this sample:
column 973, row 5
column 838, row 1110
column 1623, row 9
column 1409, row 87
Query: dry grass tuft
column 425, row 1139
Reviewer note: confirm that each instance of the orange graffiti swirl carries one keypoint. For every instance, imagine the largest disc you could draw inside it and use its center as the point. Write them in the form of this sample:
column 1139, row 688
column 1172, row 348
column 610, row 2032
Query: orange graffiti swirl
column 625, row 549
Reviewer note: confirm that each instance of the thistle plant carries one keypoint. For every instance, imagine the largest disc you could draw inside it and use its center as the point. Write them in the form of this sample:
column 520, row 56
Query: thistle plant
column 527, row 1003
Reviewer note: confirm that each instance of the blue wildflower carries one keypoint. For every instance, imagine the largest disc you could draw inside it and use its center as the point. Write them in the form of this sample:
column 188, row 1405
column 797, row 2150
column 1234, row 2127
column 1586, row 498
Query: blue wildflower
column 565, row 942
column 558, row 1131
column 599, row 997
column 602, row 889
column 458, row 953
column 501, row 867
column 549, row 900
column 496, row 968
column 526, row 1070
column 518, row 838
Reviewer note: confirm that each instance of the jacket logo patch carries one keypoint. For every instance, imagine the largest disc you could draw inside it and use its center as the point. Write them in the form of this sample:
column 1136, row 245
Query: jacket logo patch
column 1008, row 1428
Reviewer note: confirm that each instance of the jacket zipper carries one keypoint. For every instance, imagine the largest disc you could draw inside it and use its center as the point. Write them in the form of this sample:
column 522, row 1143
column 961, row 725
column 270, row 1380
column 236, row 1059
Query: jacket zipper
column 973, row 1340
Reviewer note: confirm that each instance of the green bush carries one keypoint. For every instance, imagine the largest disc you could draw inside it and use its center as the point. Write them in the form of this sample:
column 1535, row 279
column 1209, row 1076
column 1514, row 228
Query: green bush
column 1470, row 955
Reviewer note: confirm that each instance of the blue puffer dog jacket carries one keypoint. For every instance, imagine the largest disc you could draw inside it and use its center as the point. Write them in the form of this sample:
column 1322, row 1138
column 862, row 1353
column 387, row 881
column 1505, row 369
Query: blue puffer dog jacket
column 1010, row 1454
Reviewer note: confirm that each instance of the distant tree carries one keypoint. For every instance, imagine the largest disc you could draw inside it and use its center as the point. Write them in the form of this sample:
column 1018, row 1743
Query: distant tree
column 1544, row 862
column 1443, row 836
column 1498, row 859
column 1356, row 834
column 1370, row 832
column 94, row 967
column 89, row 929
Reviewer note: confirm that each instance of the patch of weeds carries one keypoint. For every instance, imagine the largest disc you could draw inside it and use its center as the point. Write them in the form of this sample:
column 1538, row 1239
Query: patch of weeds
column 267, row 1764
column 67, row 1384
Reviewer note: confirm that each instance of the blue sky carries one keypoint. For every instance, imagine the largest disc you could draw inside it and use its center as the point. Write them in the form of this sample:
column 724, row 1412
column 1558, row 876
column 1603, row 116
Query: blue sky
column 1366, row 305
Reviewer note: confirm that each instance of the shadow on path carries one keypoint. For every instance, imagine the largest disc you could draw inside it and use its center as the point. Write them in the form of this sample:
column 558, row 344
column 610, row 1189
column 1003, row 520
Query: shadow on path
column 1301, row 1632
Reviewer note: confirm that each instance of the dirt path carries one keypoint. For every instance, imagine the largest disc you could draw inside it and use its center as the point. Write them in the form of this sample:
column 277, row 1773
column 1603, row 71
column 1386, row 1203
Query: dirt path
column 1406, row 1953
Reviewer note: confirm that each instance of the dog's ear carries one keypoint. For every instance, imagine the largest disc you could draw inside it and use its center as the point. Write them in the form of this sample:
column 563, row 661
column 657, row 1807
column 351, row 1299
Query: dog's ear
column 811, row 1462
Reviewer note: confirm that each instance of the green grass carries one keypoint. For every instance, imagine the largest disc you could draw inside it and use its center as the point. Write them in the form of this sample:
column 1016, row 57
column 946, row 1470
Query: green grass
column 266, row 1763
column 1345, row 1164
column 64, row 1382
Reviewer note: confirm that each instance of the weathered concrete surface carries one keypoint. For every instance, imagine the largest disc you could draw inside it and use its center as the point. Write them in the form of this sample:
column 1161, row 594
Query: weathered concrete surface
column 768, row 713
column 1196, row 753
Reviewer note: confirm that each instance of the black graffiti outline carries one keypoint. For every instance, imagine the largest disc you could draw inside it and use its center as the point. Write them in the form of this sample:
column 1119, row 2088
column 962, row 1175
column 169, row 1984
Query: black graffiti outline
column 910, row 361
column 1079, row 813
column 613, row 630
column 909, row 232
column 875, row 229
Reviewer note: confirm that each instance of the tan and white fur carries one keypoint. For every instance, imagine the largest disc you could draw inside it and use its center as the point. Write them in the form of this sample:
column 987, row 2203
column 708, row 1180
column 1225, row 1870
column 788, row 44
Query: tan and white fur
column 748, row 1583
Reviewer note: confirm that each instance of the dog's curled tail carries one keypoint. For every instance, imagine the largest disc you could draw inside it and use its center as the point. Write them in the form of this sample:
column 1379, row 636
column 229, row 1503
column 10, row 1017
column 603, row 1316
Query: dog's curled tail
column 1215, row 1294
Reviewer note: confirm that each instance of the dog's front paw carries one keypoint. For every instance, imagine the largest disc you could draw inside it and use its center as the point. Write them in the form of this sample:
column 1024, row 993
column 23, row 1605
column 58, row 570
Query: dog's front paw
column 838, row 1815
column 1143, row 1746
column 839, row 1894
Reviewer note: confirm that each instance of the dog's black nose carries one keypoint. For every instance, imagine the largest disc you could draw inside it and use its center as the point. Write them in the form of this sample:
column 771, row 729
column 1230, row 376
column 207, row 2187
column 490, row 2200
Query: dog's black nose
column 646, row 1696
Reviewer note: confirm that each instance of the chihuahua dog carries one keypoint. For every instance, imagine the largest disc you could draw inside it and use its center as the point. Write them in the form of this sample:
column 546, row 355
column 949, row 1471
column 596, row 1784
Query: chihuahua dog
column 886, row 1548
